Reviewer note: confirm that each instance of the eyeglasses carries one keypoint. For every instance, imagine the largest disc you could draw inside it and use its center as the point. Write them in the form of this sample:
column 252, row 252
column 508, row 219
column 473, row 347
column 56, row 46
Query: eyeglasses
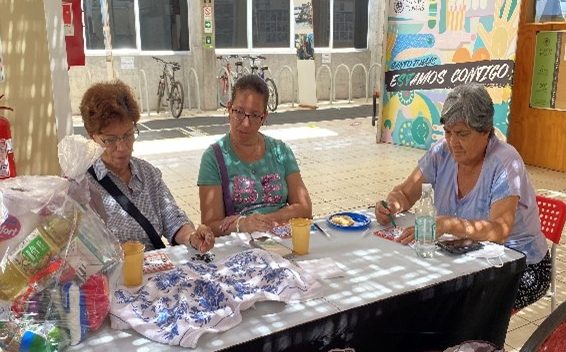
column 254, row 117
column 112, row 141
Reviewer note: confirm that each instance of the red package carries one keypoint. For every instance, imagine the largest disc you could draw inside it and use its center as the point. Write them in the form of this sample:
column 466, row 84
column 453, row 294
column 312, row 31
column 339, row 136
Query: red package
column 96, row 297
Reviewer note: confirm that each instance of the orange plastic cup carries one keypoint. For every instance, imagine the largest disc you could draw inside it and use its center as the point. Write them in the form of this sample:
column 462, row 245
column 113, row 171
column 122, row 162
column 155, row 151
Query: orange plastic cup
column 133, row 263
column 300, row 232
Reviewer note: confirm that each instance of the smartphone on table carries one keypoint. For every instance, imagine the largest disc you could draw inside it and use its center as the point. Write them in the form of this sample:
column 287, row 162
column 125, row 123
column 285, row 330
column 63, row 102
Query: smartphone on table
column 459, row 246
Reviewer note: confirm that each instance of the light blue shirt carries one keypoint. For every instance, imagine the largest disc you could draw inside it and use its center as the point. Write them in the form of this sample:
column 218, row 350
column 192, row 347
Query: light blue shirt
column 503, row 174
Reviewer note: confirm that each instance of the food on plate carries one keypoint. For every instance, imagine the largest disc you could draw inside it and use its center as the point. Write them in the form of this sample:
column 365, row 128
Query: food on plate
column 342, row 220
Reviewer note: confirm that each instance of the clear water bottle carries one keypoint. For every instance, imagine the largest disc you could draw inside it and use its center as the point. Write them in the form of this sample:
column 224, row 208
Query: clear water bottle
column 425, row 223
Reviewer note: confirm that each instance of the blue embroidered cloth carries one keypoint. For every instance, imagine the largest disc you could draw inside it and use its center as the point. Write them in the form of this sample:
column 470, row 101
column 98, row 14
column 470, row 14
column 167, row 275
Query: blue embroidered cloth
column 176, row 307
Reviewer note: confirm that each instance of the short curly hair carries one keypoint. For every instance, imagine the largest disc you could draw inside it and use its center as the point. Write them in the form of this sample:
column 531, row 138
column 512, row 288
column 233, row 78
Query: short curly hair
column 106, row 102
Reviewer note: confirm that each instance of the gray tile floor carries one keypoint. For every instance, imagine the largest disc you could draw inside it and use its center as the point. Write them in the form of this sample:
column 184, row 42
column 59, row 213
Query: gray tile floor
column 343, row 168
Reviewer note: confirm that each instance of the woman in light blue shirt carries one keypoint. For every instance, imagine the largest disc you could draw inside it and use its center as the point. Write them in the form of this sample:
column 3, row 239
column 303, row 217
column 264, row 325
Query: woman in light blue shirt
column 481, row 188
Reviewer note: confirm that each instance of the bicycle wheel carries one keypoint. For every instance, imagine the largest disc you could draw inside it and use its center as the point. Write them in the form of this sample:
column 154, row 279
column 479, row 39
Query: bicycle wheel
column 224, row 90
column 176, row 99
column 273, row 100
column 160, row 92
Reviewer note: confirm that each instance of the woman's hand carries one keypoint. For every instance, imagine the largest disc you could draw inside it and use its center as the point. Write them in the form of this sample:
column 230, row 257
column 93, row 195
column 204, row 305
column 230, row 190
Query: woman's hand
column 384, row 212
column 202, row 239
column 257, row 222
column 407, row 236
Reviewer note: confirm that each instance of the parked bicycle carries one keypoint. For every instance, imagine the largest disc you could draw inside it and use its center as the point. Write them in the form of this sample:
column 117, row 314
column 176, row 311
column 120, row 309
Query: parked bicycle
column 227, row 77
column 258, row 69
column 170, row 87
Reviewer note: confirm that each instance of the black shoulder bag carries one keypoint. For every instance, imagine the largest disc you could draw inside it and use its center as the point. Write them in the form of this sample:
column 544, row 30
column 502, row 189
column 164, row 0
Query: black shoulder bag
column 130, row 208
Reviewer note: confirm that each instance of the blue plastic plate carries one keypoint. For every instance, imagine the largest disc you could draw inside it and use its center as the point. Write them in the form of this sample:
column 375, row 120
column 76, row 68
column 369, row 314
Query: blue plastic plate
column 360, row 221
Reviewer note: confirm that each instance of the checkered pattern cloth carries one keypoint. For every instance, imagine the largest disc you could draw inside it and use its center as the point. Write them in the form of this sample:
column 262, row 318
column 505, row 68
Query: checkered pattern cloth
column 149, row 194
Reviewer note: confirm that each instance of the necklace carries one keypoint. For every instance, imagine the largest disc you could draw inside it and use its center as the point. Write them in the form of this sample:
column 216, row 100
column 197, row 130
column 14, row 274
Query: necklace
column 249, row 153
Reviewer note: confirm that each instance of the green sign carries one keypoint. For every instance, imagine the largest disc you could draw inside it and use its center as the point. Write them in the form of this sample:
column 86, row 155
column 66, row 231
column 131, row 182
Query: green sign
column 545, row 70
column 209, row 41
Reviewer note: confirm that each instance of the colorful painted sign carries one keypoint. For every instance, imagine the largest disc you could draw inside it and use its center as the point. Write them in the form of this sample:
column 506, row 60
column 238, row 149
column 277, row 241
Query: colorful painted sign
column 435, row 45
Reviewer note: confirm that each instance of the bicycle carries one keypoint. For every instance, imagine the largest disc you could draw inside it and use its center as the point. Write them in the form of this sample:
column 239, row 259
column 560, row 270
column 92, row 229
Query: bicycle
column 226, row 77
column 168, row 84
column 258, row 69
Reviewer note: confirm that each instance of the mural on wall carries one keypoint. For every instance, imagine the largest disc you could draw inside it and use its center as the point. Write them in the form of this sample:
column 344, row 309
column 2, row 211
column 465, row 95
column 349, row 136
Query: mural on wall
column 304, row 37
column 435, row 45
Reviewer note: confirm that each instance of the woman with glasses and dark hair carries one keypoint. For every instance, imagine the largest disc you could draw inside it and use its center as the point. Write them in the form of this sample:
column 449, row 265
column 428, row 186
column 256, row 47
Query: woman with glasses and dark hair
column 481, row 188
column 249, row 181
column 138, row 204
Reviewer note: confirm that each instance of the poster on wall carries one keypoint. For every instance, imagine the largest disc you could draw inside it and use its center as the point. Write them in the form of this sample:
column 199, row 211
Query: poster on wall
column 2, row 75
column 304, row 37
column 433, row 46
column 548, row 71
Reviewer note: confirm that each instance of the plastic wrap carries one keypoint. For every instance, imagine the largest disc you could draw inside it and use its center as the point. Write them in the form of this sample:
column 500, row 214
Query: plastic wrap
column 56, row 255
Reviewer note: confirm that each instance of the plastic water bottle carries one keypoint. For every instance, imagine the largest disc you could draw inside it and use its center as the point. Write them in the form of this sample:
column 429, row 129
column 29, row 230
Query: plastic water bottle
column 425, row 223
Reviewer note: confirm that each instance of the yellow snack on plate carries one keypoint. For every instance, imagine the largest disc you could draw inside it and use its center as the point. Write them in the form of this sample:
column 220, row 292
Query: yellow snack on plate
column 342, row 220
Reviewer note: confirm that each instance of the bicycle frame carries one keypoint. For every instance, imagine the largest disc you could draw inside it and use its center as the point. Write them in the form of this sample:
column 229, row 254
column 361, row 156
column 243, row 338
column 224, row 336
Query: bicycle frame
column 170, row 88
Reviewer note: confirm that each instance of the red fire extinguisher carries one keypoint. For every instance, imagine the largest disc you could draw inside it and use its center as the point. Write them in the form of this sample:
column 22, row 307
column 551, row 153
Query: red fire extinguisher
column 7, row 163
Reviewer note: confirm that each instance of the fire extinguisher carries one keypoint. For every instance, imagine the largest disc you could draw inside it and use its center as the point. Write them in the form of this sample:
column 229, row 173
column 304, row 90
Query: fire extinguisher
column 7, row 163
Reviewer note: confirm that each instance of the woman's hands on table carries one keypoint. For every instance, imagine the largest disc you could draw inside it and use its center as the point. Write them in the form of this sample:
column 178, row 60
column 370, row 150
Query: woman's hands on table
column 407, row 236
column 201, row 239
column 257, row 222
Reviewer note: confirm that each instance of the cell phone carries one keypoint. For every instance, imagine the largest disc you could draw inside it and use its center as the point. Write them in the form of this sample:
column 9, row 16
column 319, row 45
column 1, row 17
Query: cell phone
column 271, row 245
column 459, row 246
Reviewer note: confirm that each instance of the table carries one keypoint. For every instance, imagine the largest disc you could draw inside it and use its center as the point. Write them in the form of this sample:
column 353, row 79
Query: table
column 389, row 300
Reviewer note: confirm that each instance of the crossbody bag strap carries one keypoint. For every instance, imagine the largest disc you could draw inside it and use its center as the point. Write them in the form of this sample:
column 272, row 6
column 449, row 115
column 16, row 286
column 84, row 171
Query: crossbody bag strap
column 130, row 208
column 228, row 204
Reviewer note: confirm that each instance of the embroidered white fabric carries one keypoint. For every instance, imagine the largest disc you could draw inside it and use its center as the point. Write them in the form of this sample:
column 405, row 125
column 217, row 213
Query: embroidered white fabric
column 176, row 307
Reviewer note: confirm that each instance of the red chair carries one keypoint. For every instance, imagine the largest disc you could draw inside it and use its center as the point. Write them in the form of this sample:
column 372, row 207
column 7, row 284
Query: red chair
column 552, row 213
column 550, row 336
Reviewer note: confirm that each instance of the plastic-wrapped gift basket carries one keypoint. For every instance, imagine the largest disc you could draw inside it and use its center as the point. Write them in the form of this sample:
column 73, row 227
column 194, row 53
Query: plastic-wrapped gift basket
column 55, row 256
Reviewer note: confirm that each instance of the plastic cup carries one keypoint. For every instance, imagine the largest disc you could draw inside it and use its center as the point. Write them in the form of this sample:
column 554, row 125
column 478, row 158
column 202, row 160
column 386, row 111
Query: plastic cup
column 133, row 263
column 300, row 232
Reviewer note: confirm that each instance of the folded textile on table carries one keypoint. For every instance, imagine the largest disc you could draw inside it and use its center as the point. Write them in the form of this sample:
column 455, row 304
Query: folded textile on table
column 176, row 307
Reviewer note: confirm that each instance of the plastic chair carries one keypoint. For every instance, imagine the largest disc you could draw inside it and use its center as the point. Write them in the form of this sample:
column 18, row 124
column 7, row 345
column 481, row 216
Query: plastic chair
column 551, row 333
column 552, row 213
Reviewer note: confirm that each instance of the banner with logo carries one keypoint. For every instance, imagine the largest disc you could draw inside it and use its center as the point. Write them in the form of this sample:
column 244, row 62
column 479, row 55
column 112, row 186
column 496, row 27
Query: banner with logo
column 435, row 45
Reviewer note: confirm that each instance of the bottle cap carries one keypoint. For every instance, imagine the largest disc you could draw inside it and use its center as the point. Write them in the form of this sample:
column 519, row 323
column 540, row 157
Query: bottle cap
column 426, row 187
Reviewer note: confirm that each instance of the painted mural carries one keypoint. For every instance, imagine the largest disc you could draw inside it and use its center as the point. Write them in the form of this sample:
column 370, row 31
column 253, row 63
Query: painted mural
column 435, row 45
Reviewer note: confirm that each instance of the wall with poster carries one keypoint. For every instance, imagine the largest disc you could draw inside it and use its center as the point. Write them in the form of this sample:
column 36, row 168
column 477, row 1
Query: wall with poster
column 433, row 46
column 548, row 89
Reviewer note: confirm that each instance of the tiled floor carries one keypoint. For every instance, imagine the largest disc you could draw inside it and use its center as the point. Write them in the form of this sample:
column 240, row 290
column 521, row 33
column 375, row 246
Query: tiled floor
column 343, row 168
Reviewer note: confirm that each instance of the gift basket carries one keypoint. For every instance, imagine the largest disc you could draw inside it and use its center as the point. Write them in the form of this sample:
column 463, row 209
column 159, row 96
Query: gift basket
column 55, row 256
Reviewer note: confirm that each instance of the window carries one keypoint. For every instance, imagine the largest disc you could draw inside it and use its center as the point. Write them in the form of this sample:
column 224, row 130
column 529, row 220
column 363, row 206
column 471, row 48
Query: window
column 270, row 23
column 163, row 24
column 349, row 23
column 230, row 18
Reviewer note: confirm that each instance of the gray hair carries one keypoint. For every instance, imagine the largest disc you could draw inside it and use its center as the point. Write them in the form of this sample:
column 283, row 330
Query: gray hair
column 469, row 103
